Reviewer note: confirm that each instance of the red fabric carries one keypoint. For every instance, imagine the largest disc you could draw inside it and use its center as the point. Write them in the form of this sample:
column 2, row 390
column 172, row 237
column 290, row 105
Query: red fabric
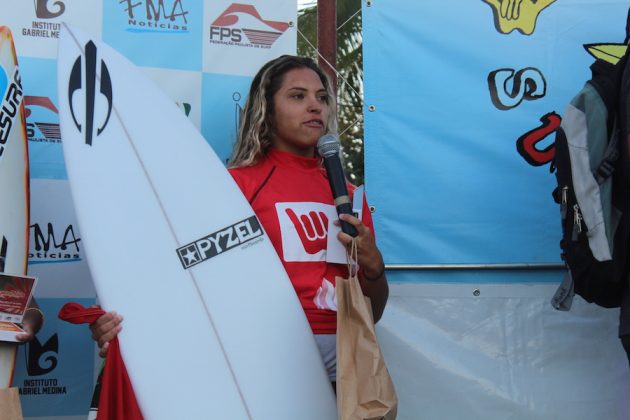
column 291, row 197
column 117, row 400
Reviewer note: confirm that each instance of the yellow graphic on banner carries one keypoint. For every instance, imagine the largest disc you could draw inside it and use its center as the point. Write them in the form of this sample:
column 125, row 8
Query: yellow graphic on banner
column 610, row 53
column 517, row 14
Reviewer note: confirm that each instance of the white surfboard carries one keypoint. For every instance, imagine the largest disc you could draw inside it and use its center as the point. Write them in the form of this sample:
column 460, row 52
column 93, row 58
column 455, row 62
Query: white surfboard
column 14, row 191
column 213, row 328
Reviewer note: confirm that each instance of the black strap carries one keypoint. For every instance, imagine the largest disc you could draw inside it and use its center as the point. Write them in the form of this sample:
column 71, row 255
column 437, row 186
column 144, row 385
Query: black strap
column 607, row 165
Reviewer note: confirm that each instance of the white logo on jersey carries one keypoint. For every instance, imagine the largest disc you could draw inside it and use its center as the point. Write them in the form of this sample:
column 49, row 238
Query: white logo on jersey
column 326, row 297
column 304, row 230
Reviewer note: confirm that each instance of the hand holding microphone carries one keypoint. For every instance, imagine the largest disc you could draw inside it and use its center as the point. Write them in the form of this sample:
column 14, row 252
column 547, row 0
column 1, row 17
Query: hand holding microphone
column 328, row 147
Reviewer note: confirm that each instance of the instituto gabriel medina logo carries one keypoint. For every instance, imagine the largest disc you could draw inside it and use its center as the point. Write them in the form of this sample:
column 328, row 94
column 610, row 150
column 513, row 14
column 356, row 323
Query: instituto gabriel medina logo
column 242, row 25
column 46, row 9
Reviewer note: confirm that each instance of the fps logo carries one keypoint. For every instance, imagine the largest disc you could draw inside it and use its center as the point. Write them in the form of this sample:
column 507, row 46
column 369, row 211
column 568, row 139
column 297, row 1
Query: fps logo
column 43, row 12
column 89, row 91
column 242, row 25
column 45, row 128
column 11, row 91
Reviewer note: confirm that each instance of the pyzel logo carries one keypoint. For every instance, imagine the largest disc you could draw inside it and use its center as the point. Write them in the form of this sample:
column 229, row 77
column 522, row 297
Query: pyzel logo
column 46, row 249
column 156, row 17
column 90, row 91
column 42, row 131
column 259, row 32
column 43, row 12
column 35, row 353
column 304, row 230
column 219, row 242
column 11, row 100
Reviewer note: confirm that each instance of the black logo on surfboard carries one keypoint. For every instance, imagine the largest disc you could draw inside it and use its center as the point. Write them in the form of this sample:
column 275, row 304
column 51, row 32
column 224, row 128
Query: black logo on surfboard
column 3, row 253
column 219, row 242
column 105, row 89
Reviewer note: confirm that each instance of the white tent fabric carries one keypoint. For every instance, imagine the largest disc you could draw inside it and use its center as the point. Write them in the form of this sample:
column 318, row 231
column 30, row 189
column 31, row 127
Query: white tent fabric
column 505, row 354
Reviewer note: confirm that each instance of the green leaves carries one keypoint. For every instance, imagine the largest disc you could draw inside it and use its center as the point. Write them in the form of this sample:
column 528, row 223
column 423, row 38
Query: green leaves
column 349, row 80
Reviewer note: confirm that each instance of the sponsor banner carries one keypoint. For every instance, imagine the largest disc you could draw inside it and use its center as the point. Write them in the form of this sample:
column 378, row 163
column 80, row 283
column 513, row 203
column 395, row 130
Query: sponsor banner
column 183, row 87
column 42, row 118
column 56, row 252
column 460, row 117
column 36, row 24
column 223, row 98
column 55, row 371
column 167, row 39
column 238, row 36
column 155, row 33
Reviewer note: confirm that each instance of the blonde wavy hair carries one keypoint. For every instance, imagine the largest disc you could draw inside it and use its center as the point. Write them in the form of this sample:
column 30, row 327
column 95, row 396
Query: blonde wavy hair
column 256, row 128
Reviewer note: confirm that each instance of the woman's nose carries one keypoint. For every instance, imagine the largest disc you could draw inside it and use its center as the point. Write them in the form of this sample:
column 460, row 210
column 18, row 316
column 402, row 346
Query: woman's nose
column 314, row 105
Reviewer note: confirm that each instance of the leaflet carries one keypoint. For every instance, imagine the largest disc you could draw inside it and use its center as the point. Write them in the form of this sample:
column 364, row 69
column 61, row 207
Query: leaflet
column 15, row 294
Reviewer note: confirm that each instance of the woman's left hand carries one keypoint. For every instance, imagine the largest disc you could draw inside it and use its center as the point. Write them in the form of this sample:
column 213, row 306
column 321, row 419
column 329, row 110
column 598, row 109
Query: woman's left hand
column 370, row 258
column 373, row 280
column 32, row 322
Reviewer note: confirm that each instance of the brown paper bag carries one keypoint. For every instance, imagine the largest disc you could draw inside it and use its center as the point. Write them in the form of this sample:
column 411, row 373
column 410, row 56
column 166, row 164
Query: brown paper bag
column 10, row 408
column 364, row 388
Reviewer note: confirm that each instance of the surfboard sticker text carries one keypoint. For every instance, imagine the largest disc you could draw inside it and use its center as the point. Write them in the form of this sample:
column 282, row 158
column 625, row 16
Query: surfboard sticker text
column 11, row 89
column 219, row 242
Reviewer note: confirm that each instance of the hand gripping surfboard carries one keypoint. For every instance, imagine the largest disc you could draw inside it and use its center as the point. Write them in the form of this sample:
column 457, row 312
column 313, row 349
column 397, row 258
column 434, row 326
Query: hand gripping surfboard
column 213, row 328
column 14, row 183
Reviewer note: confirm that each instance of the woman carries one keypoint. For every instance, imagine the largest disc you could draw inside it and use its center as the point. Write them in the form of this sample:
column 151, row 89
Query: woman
column 275, row 164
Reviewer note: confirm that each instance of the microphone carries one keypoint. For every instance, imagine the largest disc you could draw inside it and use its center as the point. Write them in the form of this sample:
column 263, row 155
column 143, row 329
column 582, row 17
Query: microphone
column 328, row 147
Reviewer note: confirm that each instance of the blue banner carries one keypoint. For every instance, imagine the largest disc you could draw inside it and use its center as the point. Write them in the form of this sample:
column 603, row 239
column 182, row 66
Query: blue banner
column 460, row 107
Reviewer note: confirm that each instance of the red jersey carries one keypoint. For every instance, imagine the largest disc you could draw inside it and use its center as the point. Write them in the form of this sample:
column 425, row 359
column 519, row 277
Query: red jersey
column 292, row 199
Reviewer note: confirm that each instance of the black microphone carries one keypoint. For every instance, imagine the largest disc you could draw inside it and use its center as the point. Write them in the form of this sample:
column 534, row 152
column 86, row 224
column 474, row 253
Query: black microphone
column 328, row 147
